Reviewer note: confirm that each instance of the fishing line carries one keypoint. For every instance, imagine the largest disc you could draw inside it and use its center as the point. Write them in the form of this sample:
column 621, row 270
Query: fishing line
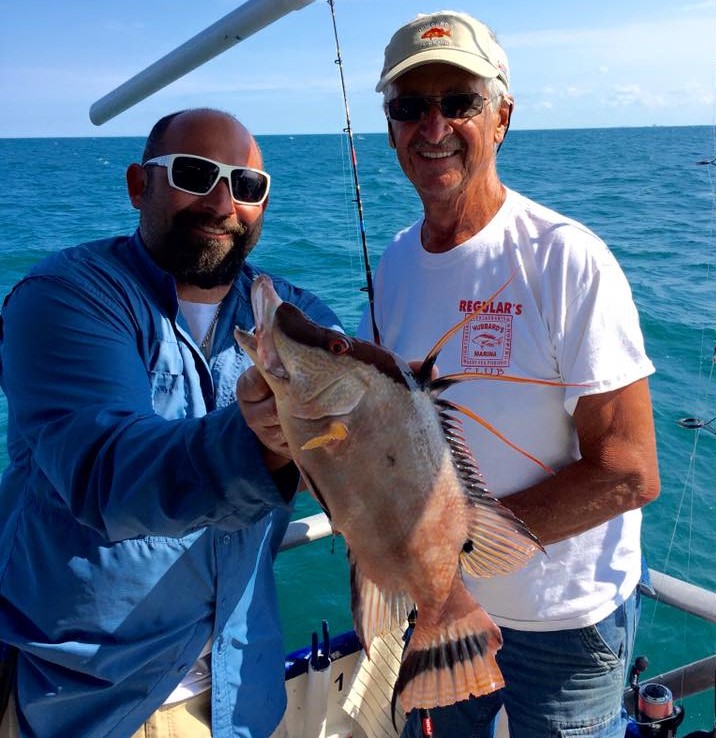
column 356, row 182
column 687, row 490
column 709, row 161
column 686, row 511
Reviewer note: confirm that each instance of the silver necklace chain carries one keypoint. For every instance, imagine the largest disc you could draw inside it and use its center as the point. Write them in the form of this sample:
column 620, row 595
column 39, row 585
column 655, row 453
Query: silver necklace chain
column 204, row 345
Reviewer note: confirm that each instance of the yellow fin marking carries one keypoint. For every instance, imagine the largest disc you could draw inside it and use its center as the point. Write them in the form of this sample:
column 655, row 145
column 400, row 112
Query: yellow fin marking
column 337, row 431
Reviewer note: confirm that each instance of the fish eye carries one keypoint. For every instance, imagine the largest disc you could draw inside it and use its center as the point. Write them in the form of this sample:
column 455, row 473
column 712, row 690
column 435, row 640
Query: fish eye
column 338, row 346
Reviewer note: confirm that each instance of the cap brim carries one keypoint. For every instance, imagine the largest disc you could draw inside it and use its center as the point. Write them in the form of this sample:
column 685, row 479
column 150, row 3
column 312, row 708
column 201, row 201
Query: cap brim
column 468, row 62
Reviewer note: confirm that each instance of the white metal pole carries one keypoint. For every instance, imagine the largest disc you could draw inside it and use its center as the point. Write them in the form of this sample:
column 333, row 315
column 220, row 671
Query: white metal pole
column 305, row 530
column 248, row 18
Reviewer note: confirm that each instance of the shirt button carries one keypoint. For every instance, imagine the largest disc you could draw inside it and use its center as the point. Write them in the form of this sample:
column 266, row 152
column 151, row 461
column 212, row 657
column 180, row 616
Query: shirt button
column 227, row 539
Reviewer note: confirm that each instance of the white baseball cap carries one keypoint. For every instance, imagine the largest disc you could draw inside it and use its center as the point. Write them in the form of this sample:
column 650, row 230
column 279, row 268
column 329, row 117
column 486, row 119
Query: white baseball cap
column 447, row 36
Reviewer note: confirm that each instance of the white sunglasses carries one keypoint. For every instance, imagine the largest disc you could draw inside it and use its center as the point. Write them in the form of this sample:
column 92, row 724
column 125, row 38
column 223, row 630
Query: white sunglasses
column 198, row 176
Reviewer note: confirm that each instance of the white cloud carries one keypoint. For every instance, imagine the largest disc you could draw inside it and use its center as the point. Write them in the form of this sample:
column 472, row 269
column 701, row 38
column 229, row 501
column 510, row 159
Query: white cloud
column 628, row 95
column 658, row 70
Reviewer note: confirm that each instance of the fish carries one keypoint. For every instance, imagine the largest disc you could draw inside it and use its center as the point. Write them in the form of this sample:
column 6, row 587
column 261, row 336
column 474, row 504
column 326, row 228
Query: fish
column 386, row 458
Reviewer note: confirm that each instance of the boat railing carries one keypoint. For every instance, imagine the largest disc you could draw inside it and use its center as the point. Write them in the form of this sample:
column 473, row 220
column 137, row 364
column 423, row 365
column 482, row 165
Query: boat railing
column 665, row 589
column 683, row 596
column 690, row 679
column 305, row 530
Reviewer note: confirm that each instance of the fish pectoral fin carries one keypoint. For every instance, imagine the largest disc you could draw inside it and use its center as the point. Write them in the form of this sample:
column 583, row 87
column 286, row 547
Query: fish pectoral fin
column 336, row 433
column 498, row 541
column 375, row 612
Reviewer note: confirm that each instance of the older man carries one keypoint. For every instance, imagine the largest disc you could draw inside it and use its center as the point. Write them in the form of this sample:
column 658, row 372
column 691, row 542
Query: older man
column 550, row 303
column 141, row 515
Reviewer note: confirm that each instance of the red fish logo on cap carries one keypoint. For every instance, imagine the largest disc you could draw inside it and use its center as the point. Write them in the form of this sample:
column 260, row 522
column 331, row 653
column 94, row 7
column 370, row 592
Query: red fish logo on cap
column 436, row 32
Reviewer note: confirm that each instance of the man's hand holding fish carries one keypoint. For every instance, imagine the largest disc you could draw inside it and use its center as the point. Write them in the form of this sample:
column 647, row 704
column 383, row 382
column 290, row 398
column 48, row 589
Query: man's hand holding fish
column 258, row 406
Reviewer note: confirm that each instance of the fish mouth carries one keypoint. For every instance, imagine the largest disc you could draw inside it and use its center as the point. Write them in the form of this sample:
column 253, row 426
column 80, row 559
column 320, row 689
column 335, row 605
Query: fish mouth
column 264, row 302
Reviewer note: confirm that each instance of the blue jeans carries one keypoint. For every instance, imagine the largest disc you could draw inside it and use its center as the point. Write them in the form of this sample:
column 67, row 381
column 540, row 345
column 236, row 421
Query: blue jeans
column 559, row 684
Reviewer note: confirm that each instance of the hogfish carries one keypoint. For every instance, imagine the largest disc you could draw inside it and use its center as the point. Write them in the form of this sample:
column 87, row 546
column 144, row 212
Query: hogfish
column 386, row 458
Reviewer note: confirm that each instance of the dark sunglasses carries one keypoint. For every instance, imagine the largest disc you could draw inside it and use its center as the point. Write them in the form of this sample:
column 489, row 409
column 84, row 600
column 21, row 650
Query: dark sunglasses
column 198, row 176
column 455, row 105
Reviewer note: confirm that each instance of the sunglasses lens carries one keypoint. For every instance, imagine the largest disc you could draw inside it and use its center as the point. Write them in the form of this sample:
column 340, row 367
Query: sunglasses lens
column 194, row 175
column 458, row 105
column 248, row 186
column 462, row 105
column 407, row 108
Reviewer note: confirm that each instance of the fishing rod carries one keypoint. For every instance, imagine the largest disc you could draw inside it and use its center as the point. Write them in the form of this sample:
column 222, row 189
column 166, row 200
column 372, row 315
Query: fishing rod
column 356, row 182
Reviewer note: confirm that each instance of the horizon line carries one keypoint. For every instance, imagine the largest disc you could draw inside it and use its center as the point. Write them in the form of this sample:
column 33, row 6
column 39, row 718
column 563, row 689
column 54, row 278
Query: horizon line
column 373, row 133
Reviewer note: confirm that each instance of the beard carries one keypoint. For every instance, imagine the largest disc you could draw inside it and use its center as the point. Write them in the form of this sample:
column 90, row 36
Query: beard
column 204, row 261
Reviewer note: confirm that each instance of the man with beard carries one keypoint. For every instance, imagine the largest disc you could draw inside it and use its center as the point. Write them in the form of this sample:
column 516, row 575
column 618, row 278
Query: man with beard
column 141, row 512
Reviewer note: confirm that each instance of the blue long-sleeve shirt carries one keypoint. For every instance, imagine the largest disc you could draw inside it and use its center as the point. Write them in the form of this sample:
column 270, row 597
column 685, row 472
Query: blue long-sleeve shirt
column 139, row 521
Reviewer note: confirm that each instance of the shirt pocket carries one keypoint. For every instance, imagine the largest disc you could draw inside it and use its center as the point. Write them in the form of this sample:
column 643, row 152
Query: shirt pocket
column 168, row 397
column 167, row 383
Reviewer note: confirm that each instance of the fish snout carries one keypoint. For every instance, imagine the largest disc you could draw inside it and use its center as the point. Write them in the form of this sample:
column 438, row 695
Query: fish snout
column 264, row 302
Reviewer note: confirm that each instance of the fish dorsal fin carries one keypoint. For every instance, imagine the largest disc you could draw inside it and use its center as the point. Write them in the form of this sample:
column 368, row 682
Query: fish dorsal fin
column 498, row 542
column 494, row 431
column 375, row 612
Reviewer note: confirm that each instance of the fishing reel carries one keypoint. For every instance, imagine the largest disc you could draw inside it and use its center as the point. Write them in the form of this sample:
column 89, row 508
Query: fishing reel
column 655, row 714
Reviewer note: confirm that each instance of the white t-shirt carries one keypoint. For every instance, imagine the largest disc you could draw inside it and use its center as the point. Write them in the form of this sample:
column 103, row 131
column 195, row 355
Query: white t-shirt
column 567, row 315
column 201, row 319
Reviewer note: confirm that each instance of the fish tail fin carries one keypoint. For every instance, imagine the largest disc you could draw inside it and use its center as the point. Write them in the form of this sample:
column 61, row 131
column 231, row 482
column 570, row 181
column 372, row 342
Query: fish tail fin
column 448, row 662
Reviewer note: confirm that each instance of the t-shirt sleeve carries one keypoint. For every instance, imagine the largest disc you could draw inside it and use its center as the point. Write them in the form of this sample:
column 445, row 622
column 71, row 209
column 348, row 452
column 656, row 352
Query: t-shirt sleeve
column 596, row 328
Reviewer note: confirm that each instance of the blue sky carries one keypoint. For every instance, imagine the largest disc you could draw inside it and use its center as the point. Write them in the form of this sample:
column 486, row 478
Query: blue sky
column 573, row 64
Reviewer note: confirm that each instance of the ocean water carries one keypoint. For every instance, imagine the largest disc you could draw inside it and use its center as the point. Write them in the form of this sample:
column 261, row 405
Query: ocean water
column 640, row 189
